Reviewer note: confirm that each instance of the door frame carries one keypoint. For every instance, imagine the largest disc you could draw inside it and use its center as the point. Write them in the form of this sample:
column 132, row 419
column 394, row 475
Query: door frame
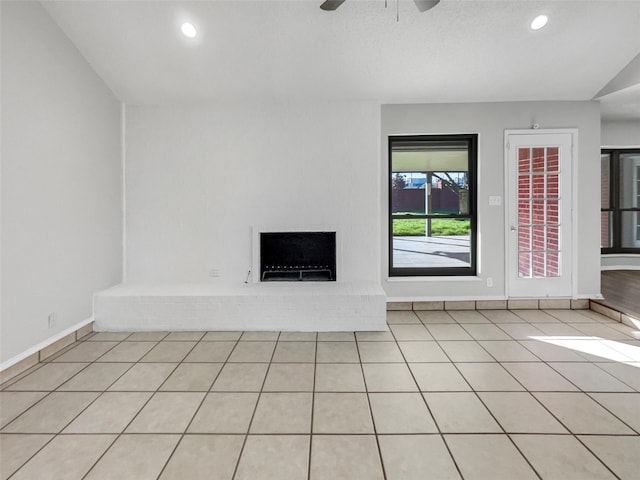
column 573, row 132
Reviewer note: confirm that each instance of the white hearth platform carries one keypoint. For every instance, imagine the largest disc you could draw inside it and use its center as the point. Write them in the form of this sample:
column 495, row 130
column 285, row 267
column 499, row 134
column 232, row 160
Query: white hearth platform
column 282, row 306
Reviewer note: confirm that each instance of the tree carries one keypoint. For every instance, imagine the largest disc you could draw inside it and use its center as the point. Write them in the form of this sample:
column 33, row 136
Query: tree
column 398, row 182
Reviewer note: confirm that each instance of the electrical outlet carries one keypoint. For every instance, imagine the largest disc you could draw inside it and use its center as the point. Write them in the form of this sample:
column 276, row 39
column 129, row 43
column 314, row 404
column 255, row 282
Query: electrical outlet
column 51, row 320
column 489, row 282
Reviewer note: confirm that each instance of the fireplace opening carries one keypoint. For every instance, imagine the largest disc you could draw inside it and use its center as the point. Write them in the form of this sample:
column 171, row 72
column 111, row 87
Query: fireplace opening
column 298, row 256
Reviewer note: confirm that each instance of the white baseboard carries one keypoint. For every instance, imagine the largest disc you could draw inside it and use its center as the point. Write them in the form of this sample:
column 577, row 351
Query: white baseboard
column 36, row 348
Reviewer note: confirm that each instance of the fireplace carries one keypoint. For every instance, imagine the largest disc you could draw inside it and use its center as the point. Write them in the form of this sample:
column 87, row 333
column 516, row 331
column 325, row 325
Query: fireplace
column 297, row 256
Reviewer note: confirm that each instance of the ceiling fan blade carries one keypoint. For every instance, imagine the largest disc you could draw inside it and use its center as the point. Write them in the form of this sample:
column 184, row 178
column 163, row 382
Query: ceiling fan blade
column 331, row 5
column 424, row 5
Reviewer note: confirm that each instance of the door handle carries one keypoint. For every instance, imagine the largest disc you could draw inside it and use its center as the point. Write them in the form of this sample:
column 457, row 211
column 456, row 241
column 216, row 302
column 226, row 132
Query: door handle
column 513, row 229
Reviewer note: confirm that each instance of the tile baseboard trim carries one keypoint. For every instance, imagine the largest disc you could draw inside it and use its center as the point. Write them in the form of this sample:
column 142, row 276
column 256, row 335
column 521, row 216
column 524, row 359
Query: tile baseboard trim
column 30, row 357
column 491, row 304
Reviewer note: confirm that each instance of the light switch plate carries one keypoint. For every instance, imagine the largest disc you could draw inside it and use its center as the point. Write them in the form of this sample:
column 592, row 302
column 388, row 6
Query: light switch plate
column 495, row 200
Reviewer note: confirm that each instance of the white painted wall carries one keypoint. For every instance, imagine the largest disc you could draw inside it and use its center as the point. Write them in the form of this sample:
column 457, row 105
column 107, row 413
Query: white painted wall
column 61, row 181
column 620, row 134
column 199, row 178
column 490, row 120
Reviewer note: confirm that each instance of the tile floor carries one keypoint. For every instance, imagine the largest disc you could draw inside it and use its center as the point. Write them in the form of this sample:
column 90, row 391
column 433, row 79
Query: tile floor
column 474, row 395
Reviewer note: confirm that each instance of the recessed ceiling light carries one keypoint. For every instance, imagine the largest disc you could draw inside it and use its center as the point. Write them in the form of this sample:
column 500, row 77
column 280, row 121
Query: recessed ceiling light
column 188, row 30
column 539, row 22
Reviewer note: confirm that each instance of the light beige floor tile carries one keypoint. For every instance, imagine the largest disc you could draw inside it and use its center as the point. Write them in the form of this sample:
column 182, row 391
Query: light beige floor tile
column 147, row 336
column 625, row 406
column 410, row 332
column 508, row 351
column 549, row 352
column 184, row 336
column 374, row 336
column 97, row 377
column 468, row 316
column 110, row 413
column 167, row 412
column 341, row 413
column 519, row 412
column 538, row 377
column 460, row 413
column 502, row 316
column 558, row 329
column 592, row 349
column 210, row 352
column 465, row 351
column 398, row 317
column 580, row 414
column 588, row 377
column 204, row 457
column 629, row 374
column 416, row 457
column 144, row 377
column 401, row 413
column 259, row 336
column 435, row 317
column 66, row 457
column 13, row 404
column 388, row 377
column 134, row 457
column 274, row 457
column 85, row 352
column 619, row 453
column 488, row 377
column 383, row 352
column 422, row 352
column 434, row 377
column 52, row 413
column 282, row 413
column 241, row 377
column 337, row 352
column 295, row 352
column 297, row 337
column 629, row 348
column 108, row 336
column 345, row 457
column 536, row 316
column 169, row 352
column 339, row 377
column 221, row 336
column 569, row 316
column 601, row 330
column 252, row 351
column 49, row 377
column 336, row 337
column 195, row 377
column 486, row 457
column 289, row 377
column 448, row 332
column 16, row 449
column 520, row 331
column 485, row 332
column 224, row 413
column 127, row 352
column 561, row 457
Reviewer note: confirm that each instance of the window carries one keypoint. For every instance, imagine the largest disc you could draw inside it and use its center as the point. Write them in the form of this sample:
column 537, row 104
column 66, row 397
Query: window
column 620, row 201
column 432, row 205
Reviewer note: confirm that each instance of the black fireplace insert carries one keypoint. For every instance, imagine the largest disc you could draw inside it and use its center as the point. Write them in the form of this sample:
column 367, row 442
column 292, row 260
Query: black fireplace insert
column 298, row 256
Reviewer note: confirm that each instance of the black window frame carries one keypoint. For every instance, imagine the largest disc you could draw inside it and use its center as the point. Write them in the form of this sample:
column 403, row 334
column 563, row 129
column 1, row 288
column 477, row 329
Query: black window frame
column 614, row 201
column 472, row 144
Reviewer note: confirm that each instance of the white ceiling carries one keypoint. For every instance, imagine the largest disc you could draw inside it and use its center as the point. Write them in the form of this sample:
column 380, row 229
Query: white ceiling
column 460, row 51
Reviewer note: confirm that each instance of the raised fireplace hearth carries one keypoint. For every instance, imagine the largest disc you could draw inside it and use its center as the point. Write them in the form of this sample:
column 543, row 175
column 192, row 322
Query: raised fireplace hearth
column 298, row 256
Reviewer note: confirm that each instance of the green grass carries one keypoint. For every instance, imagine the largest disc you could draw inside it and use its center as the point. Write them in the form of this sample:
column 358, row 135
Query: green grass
column 439, row 227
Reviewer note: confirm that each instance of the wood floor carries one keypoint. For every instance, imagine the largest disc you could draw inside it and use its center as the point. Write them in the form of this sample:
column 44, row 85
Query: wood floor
column 621, row 290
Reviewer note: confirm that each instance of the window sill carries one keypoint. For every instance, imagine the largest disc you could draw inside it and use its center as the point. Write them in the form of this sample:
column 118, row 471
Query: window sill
column 456, row 278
